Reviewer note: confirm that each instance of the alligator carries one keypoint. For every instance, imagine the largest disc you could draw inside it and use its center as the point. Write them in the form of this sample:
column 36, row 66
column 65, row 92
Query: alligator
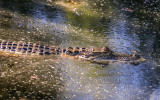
column 101, row 55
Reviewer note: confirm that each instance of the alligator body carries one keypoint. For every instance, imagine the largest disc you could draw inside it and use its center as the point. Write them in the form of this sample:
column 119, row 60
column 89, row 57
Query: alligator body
column 101, row 55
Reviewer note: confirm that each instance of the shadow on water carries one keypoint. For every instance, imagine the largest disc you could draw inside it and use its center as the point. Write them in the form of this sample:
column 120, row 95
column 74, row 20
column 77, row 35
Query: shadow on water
column 28, row 7
column 30, row 78
column 31, row 21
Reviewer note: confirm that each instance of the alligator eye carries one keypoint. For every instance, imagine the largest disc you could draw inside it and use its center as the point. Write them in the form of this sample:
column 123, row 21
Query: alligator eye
column 69, row 52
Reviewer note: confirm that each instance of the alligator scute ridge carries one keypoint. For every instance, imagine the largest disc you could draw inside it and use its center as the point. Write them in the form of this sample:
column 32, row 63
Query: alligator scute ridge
column 102, row 55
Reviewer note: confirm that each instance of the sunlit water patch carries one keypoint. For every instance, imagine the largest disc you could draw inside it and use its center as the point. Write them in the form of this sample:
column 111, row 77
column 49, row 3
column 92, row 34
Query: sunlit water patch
column 114, row 81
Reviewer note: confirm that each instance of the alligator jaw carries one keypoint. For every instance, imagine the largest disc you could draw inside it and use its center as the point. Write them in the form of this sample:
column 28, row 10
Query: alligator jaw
column 106, row 61
column 114, row 58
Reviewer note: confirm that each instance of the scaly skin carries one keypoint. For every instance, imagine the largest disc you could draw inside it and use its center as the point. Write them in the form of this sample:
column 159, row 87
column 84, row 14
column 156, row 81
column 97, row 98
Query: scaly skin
column 98, row 55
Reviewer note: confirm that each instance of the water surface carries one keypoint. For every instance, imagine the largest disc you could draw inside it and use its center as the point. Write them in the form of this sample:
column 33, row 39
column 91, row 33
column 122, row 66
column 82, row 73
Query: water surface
column 91, row 23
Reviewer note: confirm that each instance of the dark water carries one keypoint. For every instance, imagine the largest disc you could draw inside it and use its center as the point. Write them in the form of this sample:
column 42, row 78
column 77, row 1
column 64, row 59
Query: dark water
column 121, row 25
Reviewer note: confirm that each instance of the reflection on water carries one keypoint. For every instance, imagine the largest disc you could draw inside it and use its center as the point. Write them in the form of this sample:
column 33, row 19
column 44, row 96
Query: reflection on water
column 119, row 37
column 94, row 23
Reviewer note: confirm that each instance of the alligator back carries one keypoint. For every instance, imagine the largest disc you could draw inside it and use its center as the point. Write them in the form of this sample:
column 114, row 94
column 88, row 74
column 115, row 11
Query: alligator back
column 21, row 48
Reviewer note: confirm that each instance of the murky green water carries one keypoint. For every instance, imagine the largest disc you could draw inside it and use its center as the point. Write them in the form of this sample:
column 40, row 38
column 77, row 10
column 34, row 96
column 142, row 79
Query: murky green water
column 122, row 26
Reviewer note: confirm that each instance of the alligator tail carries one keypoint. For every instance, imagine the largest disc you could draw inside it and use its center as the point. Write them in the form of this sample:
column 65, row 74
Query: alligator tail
column 21, row 48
